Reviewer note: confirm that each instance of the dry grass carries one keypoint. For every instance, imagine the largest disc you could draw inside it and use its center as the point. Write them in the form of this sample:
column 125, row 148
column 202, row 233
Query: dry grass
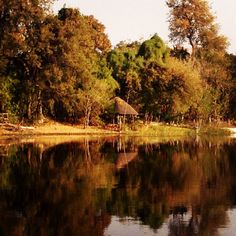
column 58, row 128
column 54, row 128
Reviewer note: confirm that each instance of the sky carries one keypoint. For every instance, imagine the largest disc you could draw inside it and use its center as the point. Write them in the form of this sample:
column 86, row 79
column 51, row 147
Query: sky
column 130, row 20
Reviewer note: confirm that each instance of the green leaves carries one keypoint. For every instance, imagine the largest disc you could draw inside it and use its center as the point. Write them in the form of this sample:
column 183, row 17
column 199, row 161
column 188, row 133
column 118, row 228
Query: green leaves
column 157, row 84
column 64, row 67
column 154, row 49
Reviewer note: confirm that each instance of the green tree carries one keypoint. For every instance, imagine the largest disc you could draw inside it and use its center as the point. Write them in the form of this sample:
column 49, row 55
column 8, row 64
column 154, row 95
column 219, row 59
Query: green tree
column 154, row 97
column 22, row 27
column 169, row 86
column 155, row 50
column 214, row 69
column 126, row 66
column 93, row 99
column 7, row 90
column 185, row 86
column 168, row 93
column 162, row 87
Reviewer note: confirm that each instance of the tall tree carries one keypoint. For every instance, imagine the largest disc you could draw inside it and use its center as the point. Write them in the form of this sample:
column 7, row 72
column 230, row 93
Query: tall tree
column 21, row 26
column 125, row 69
column 191, row 21
column 77, row 75
column 213, row 64
column 154, row 97
column 188, row 19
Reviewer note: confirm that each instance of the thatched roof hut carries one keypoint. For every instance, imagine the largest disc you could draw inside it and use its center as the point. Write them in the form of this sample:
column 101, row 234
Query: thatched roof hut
column 124, row 159
column 123, row 108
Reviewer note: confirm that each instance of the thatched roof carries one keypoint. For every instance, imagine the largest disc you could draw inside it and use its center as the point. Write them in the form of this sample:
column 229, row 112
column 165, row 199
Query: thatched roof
column 123, row 108
column 124, row 158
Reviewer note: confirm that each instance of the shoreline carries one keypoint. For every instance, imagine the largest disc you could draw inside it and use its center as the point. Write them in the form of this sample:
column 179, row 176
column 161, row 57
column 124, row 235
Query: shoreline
column 56, row 133
column 52, row 128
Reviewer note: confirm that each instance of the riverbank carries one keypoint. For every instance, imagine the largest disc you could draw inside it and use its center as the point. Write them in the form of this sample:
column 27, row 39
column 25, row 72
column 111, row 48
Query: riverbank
column 153, row 129
column 51, row 128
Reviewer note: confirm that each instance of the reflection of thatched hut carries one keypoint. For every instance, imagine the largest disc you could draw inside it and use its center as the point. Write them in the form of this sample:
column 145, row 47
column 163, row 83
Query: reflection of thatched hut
column 123, row 109
column 124, row 159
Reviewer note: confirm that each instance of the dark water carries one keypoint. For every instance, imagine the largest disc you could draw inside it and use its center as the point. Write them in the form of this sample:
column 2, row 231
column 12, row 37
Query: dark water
column 118, row 186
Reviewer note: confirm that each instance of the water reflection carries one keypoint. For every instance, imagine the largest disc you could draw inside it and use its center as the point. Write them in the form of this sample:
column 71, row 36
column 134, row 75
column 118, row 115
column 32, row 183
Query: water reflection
column 118, row 186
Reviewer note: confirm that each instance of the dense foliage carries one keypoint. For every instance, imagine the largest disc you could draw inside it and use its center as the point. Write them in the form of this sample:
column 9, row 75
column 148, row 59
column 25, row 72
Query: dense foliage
column 53, row 65
column 62, row 66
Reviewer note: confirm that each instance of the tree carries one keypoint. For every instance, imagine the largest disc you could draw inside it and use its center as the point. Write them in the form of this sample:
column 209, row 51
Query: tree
column 180, row 53
column 168, row 93
column 191, row 21
column 18, row 22
column 162, row 87
column 80, row 82
column 154, row 99
column 216, row 80
column 214, row 68
column 154, row 49
column 7, row 90
column 232, row 97
column 184, row 86
column 21, row 36
column 188, row 20
column 93, row 99
column 53, row 59
column 126, row 65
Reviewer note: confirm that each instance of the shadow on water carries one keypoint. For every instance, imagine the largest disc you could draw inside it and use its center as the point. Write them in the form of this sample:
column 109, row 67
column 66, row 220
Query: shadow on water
column 79, row 187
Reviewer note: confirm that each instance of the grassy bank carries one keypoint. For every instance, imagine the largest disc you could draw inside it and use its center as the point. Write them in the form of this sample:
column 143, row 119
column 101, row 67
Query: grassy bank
column 160, row 130
column 213, row 130
column 137, row 129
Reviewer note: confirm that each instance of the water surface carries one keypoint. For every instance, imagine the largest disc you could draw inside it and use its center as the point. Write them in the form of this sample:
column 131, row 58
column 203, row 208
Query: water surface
column 118, row 186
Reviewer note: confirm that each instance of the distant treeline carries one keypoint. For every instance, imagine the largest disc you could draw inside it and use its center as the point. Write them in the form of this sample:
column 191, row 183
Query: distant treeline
column 63, row 66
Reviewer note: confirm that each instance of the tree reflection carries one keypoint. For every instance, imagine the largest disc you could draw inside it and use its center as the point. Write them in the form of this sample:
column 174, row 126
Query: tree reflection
column 52, row 196
column 74, row 188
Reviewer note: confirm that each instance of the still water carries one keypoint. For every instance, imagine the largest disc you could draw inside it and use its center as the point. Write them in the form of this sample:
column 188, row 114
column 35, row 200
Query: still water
column 117, row 186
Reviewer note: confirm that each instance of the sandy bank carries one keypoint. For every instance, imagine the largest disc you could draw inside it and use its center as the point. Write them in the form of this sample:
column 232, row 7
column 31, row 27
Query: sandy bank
column 54, row 128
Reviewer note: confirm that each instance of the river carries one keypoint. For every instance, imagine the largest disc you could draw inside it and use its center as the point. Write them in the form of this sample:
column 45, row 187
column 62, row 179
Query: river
column 115, row 186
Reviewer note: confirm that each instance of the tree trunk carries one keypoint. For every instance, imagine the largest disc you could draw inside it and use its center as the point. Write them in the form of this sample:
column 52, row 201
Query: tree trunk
column 87, row 113
column 29, row 108
column 40, row 106
column 193, row 54
column 88, row 117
